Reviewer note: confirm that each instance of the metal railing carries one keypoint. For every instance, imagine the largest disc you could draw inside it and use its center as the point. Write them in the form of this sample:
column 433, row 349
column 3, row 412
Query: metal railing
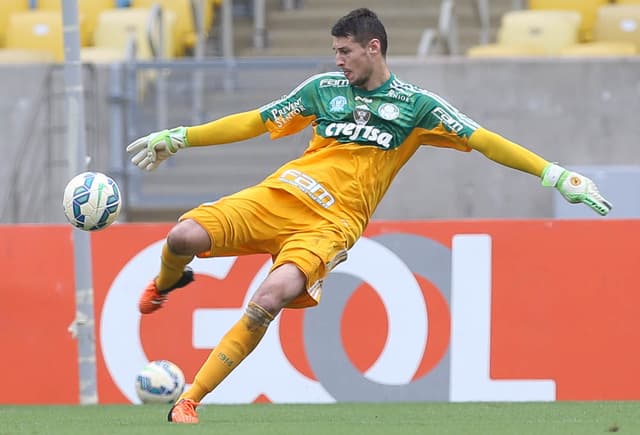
column 444, row 39
column 39, row 167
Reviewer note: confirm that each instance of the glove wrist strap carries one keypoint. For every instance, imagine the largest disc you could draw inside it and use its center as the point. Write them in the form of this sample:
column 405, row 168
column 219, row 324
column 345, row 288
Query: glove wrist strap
column 551, row 174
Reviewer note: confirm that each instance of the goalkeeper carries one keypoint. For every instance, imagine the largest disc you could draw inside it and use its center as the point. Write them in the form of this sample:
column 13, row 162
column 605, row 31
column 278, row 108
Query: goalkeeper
column 366, row 124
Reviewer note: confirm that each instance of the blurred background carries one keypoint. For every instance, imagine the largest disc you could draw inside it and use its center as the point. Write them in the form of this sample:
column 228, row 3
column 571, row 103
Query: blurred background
column 560, row 77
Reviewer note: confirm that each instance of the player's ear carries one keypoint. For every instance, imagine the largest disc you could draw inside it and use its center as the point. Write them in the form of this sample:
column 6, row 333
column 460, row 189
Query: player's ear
column 373, row 46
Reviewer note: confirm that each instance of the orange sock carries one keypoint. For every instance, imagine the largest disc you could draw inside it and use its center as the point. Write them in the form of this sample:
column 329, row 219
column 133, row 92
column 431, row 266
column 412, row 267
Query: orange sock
column 237, row 343
column 171, row 267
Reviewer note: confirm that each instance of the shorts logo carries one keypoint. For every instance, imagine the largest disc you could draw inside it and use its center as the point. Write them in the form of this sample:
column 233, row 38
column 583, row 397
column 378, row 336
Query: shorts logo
column 308, row 185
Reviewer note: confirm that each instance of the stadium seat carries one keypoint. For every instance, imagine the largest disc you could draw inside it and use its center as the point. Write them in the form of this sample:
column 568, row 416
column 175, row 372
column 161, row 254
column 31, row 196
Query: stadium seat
column 586, row 8
column 618, row 23
column 185, row 23
column 87, row 9
column 7, row 7
column 550, row 30
column 628, row 2
column 600, row 49
column 505, row 50
column 18, row 57
column 36, row 30
column 115, row 28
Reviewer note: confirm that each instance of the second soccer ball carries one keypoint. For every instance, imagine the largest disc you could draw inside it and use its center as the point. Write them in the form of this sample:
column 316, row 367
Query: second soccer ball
column 160, row 381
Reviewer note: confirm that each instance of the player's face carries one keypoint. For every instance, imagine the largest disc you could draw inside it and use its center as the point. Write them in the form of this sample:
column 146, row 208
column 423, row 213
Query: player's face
column 354, row 60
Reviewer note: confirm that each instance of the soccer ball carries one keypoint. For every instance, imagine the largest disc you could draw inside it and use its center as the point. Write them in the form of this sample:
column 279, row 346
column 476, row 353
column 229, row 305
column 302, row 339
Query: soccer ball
column 91, row 201
column 160, row 381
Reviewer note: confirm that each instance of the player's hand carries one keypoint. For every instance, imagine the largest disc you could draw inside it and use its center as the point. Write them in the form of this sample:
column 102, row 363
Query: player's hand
column 575, row 188
column 149, row 151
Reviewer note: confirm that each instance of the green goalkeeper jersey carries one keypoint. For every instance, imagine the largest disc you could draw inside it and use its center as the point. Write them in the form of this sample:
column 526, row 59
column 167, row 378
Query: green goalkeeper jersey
column 360, row 141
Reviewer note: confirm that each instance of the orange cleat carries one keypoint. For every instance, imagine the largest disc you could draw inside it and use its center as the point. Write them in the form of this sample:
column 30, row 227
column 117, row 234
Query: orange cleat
column 184, row 412
column 152, row 298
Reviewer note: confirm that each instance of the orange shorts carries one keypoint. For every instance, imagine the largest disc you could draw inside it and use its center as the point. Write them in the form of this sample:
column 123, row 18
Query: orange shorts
column 264, row 220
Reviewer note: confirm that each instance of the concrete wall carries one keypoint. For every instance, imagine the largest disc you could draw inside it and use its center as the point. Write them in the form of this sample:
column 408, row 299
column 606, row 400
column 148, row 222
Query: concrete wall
column 575, row 111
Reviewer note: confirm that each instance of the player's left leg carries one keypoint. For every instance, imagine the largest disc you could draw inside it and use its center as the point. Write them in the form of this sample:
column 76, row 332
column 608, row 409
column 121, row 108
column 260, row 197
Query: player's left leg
column 281, row 286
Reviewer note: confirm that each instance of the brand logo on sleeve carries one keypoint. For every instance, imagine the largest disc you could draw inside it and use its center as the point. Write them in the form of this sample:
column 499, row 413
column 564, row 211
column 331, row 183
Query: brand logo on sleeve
column 448, row 120
column 282, row 114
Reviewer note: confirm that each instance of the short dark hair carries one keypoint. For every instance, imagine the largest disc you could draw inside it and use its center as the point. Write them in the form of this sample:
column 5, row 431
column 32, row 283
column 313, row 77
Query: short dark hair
column 362, row 25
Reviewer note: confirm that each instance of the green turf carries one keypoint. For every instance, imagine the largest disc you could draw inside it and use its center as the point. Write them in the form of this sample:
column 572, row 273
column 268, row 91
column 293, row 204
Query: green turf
column 579, row 418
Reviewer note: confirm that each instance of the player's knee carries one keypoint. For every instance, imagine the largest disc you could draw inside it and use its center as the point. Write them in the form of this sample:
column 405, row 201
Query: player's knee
column 258, row 314
column 188, row 238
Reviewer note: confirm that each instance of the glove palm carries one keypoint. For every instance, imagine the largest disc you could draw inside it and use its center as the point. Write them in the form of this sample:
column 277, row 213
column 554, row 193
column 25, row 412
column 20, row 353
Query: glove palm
column 575, row 188
column 149, row 151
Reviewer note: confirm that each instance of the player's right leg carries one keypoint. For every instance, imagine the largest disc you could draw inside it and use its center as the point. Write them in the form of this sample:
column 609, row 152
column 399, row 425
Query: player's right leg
column 184, row 240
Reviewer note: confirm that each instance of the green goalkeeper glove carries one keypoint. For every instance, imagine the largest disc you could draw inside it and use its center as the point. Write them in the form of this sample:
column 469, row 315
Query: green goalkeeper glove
column 149, row 151
column 575, row 188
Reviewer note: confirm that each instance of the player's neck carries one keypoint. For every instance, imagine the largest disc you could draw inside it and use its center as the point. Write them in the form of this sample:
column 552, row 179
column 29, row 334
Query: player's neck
column 377, row 79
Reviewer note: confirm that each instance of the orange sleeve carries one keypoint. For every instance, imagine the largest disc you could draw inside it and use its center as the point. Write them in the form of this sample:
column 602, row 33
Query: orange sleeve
column 231, row 128
column 507, row 153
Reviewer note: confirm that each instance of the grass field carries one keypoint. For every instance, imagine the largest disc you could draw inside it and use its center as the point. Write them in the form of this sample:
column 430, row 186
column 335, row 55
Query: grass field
column 575, row 418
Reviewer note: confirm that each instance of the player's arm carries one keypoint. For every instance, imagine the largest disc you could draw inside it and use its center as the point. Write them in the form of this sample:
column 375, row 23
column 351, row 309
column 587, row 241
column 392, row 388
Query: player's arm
column 232, row 128
column 574, row 187
column 149, row 151
column 507, row 153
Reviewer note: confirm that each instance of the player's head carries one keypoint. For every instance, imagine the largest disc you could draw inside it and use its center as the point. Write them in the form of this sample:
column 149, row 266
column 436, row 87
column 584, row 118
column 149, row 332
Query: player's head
column 360, row 45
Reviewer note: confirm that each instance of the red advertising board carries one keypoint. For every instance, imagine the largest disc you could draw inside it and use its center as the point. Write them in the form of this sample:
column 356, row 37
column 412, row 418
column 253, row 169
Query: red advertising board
column 563, row 314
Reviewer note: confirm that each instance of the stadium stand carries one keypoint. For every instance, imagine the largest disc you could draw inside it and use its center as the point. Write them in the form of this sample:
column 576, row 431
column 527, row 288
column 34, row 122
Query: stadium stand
column 618, row 23
column 36, row 31
column 505, row 50
column 586, row 8
column 532, row 32
column 6, row 9
column 87, row 9
column 600, row 49
column 185, row 27
column 116, row 27
column 17, row 56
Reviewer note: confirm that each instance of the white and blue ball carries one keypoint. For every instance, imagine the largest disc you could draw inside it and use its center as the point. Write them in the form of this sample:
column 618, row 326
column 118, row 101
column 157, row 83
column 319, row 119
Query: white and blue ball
column 91, row 201
column 160, row 381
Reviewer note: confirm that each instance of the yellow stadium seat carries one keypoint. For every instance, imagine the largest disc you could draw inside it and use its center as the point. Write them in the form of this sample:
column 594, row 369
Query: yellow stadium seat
column 618, row 23
column 628, row 2
column 505, row 50
column 185, row 24
column 7, row 7
column 116, row 27
column 586, row 8
column 17, row 56
column 600, row 49
column 36, row 30
column 88, row 9
column 550, row 30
